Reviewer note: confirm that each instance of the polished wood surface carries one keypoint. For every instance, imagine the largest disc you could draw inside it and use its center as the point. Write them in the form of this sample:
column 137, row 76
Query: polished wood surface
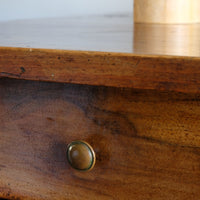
column 92, row 33
column 144, row 129
column 107, row 51
column 111, row 33
column 147, row 143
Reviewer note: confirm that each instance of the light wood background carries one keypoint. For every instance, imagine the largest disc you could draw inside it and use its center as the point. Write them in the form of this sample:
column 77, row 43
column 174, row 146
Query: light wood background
column 167, row 11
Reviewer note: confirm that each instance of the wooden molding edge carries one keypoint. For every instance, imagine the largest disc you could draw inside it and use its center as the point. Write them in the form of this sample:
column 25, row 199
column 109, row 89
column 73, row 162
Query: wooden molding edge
column 165, row 73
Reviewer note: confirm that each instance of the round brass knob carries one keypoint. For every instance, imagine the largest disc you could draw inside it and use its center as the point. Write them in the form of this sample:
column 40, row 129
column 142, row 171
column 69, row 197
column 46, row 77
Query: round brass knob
column 81, row 155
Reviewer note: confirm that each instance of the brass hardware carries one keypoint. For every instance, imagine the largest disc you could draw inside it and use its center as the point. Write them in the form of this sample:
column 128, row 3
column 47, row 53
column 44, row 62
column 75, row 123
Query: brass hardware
column 81, row 155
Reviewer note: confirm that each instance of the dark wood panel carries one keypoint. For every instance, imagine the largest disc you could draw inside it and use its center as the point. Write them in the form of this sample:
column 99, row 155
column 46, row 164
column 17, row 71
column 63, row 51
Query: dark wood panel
column 147, row 143
column 107, row 69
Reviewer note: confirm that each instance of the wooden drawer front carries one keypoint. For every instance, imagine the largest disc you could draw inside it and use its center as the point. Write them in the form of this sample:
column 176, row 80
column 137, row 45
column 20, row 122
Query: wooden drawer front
column 146, row 143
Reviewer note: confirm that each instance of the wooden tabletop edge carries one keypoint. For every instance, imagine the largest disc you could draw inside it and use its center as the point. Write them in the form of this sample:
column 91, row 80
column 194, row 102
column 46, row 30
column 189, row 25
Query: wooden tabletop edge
column 104, row 53
column 160, row 72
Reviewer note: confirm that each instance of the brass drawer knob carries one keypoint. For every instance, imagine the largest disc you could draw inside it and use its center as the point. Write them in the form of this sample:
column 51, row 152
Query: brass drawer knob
column 81, row 155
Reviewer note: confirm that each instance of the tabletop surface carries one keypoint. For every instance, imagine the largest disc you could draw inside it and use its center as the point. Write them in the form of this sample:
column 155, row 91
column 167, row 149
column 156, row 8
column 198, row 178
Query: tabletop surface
column 110, row 33
column 102, row 51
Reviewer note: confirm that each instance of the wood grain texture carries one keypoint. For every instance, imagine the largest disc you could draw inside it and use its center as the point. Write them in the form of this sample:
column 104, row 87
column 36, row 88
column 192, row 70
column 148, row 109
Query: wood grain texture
column 163, row 73
column 147, row 143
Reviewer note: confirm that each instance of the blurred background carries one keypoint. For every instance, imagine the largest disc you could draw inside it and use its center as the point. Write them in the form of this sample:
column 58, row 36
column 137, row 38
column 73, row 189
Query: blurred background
column 31, row 9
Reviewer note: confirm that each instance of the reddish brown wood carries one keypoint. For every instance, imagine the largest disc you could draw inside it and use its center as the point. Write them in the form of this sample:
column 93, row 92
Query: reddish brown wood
column 144, row 129
column 164, row 73
column 147, row 143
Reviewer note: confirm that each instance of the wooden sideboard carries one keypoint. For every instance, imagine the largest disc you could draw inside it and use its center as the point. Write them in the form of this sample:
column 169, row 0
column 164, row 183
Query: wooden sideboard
column 130, row 91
